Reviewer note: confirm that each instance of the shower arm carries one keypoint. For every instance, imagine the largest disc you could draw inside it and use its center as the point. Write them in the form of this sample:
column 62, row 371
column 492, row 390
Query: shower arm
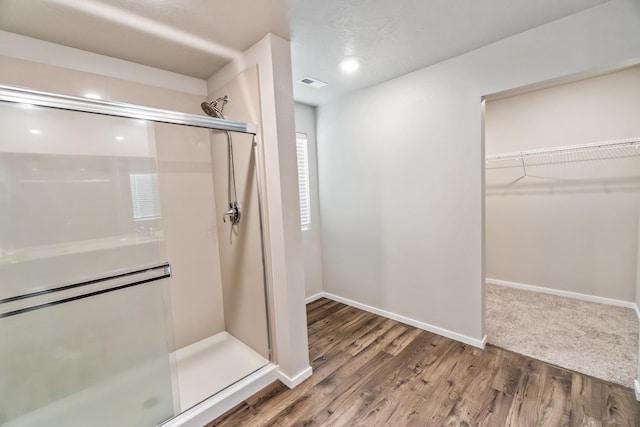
column 212, row 109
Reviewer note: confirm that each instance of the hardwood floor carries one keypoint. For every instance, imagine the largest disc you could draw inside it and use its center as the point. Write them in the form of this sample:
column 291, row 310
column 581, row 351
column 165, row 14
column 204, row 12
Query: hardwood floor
column 373, row 371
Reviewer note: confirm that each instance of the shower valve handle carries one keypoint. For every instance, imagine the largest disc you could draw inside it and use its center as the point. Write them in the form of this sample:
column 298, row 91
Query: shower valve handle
column 233, row 213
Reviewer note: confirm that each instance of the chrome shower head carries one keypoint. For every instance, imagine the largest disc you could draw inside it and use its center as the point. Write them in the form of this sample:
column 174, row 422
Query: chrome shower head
column 212, row 109
column 209, row 110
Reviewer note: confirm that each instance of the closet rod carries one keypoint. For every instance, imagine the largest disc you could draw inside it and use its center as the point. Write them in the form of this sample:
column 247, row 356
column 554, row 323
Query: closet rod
column 568, row 149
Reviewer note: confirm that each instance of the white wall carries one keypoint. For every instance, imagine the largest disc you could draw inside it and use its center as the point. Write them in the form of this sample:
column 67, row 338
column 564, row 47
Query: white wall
column 277, row 152
column 311, row 238
column 570, row 226
column 401, row 168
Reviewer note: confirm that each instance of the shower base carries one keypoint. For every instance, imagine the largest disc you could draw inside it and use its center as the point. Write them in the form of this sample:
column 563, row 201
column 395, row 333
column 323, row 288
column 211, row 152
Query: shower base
column 212, row 364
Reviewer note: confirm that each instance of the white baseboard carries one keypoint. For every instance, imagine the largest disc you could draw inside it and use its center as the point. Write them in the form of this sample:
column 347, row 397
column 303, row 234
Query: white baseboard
column 636, row 388
column 567, row 294
column 406, row 320
column 315, row 297
column 297, row 380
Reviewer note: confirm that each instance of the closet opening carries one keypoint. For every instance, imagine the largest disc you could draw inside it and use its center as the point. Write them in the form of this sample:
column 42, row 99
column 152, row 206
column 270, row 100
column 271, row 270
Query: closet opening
column 561, row 223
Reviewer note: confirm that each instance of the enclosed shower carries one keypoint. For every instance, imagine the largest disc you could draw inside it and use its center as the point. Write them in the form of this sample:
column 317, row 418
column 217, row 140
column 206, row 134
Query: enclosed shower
column 123, row 298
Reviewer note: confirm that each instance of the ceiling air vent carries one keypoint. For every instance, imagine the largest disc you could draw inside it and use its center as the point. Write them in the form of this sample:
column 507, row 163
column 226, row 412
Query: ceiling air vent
column 310, row 81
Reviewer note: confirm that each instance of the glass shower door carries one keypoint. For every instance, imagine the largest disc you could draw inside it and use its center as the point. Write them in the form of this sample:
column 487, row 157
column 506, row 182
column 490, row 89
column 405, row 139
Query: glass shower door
column 84, row 322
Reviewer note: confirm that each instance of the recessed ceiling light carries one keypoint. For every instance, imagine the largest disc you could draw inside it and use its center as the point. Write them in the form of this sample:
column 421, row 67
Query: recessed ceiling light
column 35, row 131
column 313, row 82
column 349, row 65
column 120, row 138
column 92, row 95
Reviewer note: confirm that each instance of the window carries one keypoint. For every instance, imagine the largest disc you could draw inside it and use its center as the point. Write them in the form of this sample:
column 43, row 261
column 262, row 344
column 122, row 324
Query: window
column 303, row 181
column 144, row 196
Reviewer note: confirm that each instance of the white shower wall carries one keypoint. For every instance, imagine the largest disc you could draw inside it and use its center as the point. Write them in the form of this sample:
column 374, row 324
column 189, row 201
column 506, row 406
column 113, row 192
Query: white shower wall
column 185, row 178
column 244, row 302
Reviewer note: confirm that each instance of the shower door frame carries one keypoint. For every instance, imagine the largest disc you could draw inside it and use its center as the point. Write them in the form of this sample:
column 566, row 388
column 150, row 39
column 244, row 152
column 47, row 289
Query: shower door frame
column 120, row 109
column 131, row 111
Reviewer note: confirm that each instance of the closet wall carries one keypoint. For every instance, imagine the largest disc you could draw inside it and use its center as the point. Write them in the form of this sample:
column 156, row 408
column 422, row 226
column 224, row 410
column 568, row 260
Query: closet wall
column 570, row 225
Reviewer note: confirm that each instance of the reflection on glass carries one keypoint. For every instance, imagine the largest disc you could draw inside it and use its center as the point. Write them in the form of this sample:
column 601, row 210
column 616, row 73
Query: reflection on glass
column 99, row 361
column 79, row 200
column 145, row 196
column 72, row 198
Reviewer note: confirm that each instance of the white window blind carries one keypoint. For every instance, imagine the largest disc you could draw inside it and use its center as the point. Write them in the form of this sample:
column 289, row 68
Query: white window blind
column 303, row 181
column 145, row 196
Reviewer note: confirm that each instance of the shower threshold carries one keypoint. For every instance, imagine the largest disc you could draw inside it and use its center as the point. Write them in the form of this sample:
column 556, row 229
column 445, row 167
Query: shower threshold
column 211, row 365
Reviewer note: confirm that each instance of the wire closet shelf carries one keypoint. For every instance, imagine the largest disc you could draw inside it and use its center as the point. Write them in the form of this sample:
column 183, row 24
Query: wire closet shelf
column 614, row 149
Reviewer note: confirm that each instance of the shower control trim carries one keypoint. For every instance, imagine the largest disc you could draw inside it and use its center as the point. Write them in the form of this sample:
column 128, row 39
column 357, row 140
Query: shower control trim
column 233, row 213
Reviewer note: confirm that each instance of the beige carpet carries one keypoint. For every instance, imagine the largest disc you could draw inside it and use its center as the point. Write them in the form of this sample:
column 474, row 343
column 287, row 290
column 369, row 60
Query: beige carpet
column 594, row 339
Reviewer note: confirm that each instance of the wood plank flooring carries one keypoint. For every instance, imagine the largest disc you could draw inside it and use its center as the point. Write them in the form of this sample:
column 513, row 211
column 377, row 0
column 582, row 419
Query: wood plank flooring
column 372, row 371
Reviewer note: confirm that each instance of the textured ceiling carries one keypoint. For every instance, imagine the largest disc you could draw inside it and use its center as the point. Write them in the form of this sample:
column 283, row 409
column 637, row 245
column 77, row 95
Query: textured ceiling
column 391, row 37
column 197, row 37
